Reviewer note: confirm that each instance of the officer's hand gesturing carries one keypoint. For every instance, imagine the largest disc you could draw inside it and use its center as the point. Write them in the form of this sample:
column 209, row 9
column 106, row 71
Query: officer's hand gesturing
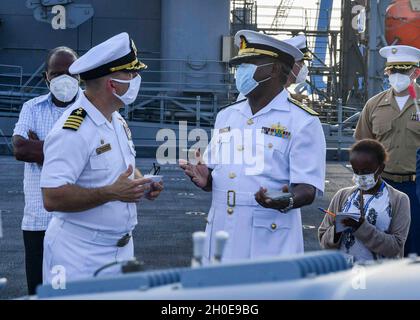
column 199, row 173
column 267, row 202
column 129, row 190
column 155, row 190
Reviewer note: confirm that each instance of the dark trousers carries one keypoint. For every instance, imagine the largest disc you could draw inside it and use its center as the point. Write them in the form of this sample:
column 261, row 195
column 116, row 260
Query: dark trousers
column 34, row 251
column 412, row 245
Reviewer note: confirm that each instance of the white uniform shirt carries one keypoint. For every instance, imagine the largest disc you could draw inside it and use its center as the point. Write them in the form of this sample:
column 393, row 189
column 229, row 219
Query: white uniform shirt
column 72, row 157
column 39, row 115
column 401, row 101
column 244, row 158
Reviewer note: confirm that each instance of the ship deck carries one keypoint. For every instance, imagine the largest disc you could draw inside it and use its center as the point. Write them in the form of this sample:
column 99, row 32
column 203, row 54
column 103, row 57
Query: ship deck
column 163, row 235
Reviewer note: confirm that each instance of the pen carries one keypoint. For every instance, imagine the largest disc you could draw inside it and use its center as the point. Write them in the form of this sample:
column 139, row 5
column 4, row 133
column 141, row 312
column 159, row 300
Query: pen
column 327, row 212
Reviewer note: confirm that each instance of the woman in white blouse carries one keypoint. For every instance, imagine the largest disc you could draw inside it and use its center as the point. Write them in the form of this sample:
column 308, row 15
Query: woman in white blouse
column 382, row 227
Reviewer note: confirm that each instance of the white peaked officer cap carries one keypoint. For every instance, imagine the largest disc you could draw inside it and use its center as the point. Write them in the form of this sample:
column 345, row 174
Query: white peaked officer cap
column 254, row 44
column 400, row 57
column 115, row 54
column 299, row 42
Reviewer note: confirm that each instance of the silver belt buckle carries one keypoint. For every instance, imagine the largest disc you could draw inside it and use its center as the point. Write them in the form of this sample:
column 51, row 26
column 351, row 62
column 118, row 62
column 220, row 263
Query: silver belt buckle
column 231, row 198
column 125, row 239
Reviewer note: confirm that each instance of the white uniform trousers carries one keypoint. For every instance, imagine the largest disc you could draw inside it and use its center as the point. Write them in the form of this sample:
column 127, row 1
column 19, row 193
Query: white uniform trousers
column 79, row 252
column 254, row 231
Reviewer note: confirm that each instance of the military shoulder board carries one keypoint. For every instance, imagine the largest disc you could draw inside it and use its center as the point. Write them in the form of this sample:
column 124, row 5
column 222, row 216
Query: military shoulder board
column 303, row 107
column 75, row 119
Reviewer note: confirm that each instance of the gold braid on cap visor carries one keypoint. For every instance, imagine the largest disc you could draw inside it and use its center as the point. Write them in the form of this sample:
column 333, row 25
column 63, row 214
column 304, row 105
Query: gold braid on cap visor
column 400, row 65
column 134, row 65
column 307, row 56
column 260, row 51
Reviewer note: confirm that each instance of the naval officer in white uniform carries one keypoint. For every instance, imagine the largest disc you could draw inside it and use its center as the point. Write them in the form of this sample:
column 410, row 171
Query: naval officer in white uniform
column 300, row 69
column 89, row 180
column 268, row 142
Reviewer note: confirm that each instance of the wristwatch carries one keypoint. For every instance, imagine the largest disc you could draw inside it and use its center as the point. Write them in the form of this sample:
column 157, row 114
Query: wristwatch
column 289, row 207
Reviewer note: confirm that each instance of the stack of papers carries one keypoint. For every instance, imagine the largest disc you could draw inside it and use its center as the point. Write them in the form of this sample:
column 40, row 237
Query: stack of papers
column 339, row 226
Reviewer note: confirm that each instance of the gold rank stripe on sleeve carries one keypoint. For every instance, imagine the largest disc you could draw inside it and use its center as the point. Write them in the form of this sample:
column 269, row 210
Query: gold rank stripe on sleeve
column 303, row 107
column 75, row 119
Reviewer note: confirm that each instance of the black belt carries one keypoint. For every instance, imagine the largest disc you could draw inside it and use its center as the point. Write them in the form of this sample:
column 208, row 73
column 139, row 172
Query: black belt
column 399, row 177
column 125, row 239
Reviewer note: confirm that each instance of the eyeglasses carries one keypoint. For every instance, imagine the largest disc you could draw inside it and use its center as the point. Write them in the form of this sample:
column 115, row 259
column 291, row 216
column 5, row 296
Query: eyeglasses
column 155, row 170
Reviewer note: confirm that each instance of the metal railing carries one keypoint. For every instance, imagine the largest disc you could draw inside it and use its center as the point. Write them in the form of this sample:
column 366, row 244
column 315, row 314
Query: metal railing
column 189, row 74
column 176, row 87
column 7, row 142
column 170, row 95
column 160, row 108
column 11, row 72
column 164, row 108
column 34, row 76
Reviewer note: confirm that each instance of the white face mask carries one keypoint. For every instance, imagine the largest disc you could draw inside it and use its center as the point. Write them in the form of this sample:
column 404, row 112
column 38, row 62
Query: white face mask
column 132, row 92
column 365, row 182
column 301, row 76
column 64, row 88
column 399, row 81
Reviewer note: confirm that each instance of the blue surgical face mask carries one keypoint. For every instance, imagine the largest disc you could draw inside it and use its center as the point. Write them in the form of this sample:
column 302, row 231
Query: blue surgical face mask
column 244, row 77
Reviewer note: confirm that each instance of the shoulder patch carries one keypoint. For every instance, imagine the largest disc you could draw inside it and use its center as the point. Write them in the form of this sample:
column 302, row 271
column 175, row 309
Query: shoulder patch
column 303, row 107
column 236, row 102
column 75, row 119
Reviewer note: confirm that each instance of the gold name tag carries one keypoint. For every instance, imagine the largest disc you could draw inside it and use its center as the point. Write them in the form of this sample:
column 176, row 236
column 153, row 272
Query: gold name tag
column 223, row 130
column 104, row 148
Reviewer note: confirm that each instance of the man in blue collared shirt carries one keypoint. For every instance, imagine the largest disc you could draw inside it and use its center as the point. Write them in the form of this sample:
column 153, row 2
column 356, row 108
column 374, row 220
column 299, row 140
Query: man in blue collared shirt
column 36, row 119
